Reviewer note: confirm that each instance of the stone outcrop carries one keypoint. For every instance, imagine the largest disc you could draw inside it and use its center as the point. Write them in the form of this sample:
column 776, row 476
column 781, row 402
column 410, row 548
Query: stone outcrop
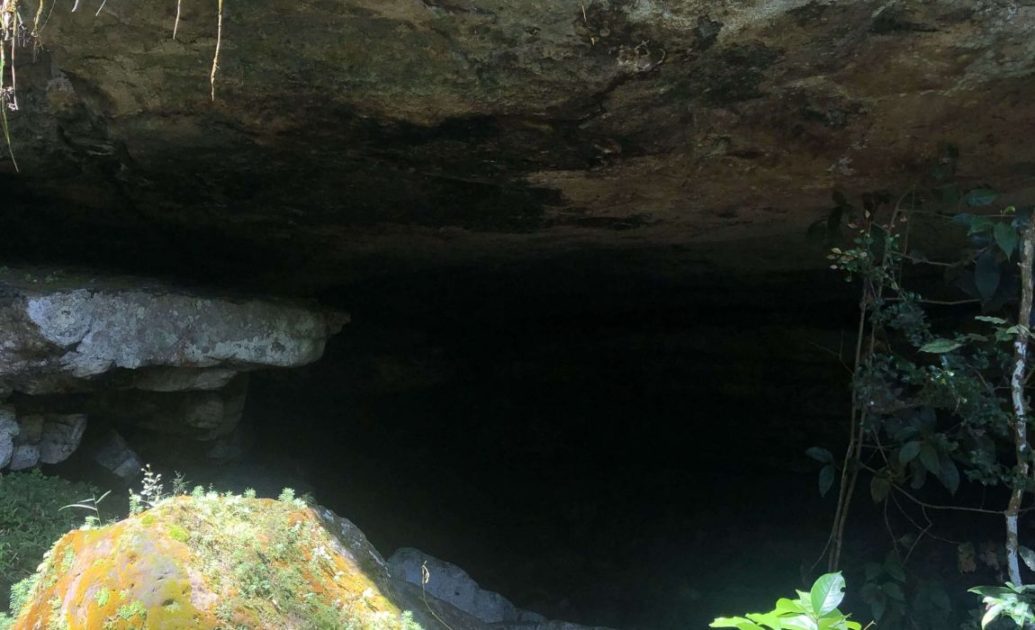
column 135, row 353
column 292, row 566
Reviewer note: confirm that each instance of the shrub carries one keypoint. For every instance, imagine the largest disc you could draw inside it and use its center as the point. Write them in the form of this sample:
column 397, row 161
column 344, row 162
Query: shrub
column 816, row 609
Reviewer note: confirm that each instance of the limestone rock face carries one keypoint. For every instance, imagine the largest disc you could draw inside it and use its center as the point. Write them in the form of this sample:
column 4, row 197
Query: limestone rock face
column 131, row 352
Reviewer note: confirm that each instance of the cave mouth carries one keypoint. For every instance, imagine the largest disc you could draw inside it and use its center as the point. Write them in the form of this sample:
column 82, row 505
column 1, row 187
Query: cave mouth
column 598, row 440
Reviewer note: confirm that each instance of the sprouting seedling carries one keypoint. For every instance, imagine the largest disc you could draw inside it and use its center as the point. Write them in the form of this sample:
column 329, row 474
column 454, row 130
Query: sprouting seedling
column 90, row 504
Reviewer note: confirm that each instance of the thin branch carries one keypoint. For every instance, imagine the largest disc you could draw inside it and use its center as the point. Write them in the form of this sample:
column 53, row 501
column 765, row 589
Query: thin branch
column 1019, row 423
column 934, row 506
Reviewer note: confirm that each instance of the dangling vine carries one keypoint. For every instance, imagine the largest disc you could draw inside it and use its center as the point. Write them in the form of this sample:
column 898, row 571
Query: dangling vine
column 15, row 34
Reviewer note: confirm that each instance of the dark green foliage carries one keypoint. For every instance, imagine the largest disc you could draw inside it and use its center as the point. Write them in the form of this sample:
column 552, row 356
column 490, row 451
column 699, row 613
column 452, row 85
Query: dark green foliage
column 31, row 520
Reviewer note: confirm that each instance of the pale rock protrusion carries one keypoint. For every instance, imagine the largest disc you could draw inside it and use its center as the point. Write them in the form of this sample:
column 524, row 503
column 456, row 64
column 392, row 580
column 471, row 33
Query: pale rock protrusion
column 61, row 340
column 61, row 436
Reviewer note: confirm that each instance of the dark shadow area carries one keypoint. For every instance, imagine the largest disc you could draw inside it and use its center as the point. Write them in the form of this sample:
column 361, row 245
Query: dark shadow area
column 600, row 445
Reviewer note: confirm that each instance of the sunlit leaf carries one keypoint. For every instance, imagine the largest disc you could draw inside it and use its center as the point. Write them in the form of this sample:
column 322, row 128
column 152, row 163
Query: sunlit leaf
column 801, row 622
column 827, row 592
column 991, row 615
column 739, row 623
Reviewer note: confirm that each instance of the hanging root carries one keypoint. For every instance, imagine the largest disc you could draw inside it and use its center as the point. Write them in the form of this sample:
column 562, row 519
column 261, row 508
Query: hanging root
column 10, row 31
column 176, row 24
column 215, row 57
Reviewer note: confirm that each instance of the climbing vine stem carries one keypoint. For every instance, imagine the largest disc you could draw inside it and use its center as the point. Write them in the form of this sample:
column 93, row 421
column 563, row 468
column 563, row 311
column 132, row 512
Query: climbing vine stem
column 1020, row 405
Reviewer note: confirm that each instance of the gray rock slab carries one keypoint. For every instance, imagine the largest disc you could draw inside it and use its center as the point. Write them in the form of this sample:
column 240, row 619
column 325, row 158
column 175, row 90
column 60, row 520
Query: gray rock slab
column 59, row 340
column 25, row 456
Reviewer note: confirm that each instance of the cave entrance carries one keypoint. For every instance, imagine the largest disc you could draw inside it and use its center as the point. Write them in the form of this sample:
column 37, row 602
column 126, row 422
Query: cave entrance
column 597, row 441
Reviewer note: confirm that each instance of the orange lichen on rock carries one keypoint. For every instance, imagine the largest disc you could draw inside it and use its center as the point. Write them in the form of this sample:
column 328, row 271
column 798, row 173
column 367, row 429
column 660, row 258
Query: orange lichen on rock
column 212, row 561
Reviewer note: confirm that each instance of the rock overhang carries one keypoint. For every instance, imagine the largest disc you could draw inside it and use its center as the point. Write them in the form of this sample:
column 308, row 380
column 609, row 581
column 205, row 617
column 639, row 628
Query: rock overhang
column 344, row 134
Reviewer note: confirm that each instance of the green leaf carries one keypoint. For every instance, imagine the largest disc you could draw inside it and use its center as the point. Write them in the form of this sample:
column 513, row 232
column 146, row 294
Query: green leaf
column 873, row 570
column 991, row 320
column 894, row 567
column 821, row 455
column 919, row 477
column 1006, row 237
column 980, row 225
column 986, row 275
column 826, row 479
column 940, row 346
column 949, row 474
column 980, row 197
column 894, row 591
column 827, row 592
column 929, row 458
column 786, row 606
column 908, row 452
column 879, row 489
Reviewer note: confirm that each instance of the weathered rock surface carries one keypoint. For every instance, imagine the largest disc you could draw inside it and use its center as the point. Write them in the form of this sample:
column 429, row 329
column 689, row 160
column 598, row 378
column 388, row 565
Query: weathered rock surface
column 291, row 567
column 8, row 431
column 347, row 134
column 29, row 440
column 451, row 584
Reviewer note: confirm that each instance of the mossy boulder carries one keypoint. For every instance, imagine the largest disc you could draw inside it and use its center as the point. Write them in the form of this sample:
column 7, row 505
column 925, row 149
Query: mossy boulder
column 215, row 561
